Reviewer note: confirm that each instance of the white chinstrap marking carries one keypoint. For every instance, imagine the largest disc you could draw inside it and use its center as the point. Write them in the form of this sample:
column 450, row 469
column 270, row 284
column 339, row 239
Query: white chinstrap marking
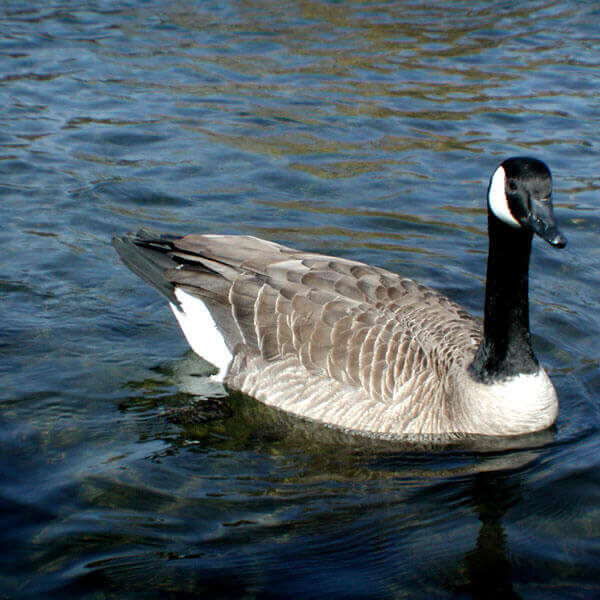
column 498, row 201
column 201, row 332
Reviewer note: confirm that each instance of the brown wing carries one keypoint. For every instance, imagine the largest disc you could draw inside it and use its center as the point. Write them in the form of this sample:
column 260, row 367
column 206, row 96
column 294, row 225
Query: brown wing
column 358, row 325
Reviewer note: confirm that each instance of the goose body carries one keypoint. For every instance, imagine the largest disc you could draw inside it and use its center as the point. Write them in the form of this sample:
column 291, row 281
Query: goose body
column 358, row 347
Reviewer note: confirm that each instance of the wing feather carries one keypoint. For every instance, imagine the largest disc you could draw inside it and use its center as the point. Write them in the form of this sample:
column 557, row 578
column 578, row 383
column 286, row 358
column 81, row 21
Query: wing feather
column 359, row 326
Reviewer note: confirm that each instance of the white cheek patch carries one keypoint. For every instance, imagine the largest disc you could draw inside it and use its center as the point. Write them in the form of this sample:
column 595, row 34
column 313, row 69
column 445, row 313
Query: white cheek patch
column 498, row 201
column 201, row 332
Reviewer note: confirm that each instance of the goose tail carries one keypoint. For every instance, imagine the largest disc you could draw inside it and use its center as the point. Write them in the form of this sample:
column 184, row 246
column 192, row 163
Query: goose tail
column 198, row 307
column 145, row 253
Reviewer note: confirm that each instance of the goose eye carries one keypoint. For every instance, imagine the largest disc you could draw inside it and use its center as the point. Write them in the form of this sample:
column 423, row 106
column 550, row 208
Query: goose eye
column 512, row 186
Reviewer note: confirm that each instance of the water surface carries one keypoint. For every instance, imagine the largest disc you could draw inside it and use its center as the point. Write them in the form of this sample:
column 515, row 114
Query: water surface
column 360, row 129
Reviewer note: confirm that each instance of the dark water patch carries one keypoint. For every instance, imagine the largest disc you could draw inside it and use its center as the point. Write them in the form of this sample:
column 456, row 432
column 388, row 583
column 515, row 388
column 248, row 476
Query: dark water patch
column 359, row 130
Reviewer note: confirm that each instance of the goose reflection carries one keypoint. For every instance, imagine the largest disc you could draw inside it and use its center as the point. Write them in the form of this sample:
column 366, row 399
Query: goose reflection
column 416, row 501
column 487, row 566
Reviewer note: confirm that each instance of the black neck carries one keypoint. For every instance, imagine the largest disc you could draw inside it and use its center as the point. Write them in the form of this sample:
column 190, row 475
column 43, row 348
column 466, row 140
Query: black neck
column 506, row 347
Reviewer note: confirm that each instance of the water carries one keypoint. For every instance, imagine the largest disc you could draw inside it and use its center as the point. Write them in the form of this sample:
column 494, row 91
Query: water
column 366, row 130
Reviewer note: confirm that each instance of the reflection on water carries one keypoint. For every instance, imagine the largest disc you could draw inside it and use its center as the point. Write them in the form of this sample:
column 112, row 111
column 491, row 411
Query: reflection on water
column 264, row 495
column 351, row 128
column 487, row 571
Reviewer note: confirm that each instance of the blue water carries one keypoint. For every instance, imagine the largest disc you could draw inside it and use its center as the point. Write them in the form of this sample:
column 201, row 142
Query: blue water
column 366, row 130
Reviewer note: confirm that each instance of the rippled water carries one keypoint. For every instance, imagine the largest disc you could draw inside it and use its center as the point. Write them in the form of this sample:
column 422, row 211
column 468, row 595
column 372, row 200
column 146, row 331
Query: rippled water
column 366, row 130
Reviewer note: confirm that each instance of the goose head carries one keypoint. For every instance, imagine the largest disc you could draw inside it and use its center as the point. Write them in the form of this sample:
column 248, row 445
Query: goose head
column 520, row 195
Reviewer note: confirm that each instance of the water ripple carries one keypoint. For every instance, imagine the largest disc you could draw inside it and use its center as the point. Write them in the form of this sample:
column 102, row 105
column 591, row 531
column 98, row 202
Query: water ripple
column 362, row 129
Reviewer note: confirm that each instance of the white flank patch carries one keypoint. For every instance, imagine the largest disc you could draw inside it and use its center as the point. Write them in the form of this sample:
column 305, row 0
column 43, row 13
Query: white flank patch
column 201, row 332
column 498, row 201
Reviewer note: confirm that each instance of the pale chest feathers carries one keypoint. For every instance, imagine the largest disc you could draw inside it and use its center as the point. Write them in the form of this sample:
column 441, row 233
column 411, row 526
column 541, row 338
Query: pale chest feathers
column 521, row 404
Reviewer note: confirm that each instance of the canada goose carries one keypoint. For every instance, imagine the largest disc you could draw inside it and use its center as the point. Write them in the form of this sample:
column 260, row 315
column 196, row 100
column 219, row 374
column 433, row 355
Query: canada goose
column 359, row 347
